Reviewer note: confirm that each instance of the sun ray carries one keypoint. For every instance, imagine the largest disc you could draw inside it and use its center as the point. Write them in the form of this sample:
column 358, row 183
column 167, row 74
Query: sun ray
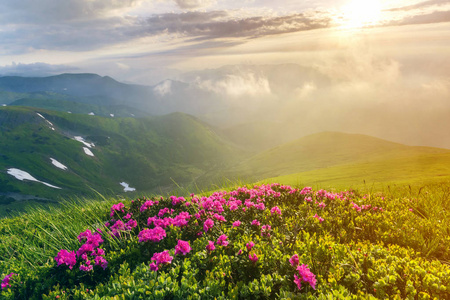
column 359, row 13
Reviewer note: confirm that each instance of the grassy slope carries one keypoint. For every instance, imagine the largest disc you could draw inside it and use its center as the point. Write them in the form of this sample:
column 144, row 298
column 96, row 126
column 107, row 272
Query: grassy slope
column 57, row 104
column 147, row 153
column 345, row 159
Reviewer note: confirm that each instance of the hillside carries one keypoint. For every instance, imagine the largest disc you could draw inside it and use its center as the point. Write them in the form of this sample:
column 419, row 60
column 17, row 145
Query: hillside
column 325, row 150
column 78, row 153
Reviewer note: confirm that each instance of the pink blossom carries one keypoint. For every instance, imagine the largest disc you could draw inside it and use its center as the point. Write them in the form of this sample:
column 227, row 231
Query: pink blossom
column 321, row 205
column 128, row 216
column 66, row 257
column 131, row 224
column 5, row 281
column 275, row 210
column 265, row 230
column 87, row 266
column 162, row 258
column 153, row 267
column 146, row 205
column 100, row 261
column 208, row 225
column 260, row 206
column 237, row 223
column 153, row 235
column 182, row 247
column 306, row 275
column 318, row 218
column 222, row 240
column 253, row 257
column 294, row 260
column 210, row 246
column 117, row 207
column 250, row 245
column 256, row 222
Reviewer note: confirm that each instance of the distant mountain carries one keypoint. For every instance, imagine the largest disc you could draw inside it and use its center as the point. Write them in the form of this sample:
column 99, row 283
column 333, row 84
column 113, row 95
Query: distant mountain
column 73, row 154
column 325, row 150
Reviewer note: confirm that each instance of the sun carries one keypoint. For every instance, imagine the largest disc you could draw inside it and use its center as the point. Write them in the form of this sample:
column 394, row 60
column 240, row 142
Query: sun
column 360, row 13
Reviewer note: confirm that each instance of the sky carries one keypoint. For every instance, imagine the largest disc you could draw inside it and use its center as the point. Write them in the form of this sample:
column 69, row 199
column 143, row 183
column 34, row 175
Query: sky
column 375, row 57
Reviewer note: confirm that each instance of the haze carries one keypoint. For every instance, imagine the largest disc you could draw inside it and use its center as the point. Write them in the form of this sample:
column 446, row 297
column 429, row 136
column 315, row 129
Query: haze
column 301, row 67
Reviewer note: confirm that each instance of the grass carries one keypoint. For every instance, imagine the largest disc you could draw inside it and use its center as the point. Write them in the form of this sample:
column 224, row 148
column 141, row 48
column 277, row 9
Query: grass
column 412, row 232
column 418, row 171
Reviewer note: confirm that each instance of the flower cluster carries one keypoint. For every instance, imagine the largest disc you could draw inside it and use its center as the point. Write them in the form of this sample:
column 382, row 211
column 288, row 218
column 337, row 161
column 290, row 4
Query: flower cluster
column 153, row 235
column 67, row 258
column 182, row 247
column 305, row 275
column 160, row 258
column 5, row 281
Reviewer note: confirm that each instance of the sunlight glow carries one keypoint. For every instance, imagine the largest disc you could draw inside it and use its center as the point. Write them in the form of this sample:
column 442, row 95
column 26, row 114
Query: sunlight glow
column 361, row 13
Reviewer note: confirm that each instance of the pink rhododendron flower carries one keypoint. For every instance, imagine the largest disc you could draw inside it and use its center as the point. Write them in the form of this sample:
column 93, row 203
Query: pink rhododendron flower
column 208, row 225
column 153, row 235
column 265, row 230
column 162, row 258
column 100, row 261
column 253, row 257
column 87, row 266
column 210, row 246
column 117, row 207
column 222, row 240
column 306, row 276
column 153, row 267
column 250, row 245
column 182, row 247
column 318, row 218
column 5, row 281
column 131, row 224
column 321, row 205
column 256, row 222
column 294, row 260
column 237, row 223
column 66, row 257
column 128, row 216
column 146, row 205
column 275, row 210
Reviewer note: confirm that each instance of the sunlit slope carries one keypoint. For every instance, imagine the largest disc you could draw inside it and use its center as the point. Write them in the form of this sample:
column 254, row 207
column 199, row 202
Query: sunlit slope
column 415, row 171
column 331, row 149
column 147, row 153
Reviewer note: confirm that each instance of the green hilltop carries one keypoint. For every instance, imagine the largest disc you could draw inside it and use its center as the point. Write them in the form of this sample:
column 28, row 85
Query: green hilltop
column 152, row 153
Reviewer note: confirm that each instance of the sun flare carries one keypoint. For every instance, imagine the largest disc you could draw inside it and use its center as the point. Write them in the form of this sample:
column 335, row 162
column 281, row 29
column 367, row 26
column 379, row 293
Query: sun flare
column 361, row 13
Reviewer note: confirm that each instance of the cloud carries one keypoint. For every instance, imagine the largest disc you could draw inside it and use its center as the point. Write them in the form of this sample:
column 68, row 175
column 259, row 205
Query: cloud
column 240, row 84
column 192, row 4
column 217, row 24
column 35, row 69
column 434, row 17
column 164, row 88
column 49, row 11
column 420, row 5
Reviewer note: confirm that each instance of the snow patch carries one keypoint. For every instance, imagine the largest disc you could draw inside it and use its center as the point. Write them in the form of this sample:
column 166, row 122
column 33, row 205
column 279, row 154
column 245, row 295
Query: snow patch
column 81, row 140
column 22, row 175
column 91, row 114
column 69, row 112
column 88, row 152
column 126, row 187
column 40, row 116
column 4, row 105
column 58, row 164
column 112, row 115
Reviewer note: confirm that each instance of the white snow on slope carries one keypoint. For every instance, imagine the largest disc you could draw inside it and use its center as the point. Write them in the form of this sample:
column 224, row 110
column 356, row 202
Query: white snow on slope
column 81, row 140
column 91, row 114
column 58, row 164
column 4, row 105
column 111, row 115
column 88, row 152
column 22, row 175
column 126, row 187
column 49, row 123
